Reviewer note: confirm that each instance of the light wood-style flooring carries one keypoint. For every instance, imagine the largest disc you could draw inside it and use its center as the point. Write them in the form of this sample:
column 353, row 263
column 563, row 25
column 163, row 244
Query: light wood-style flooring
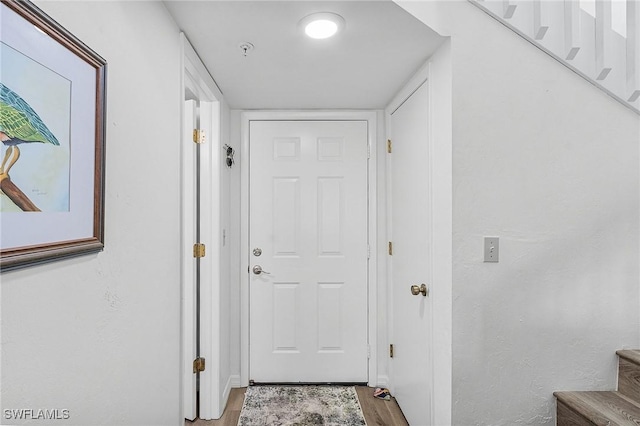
column 377, row 412
column 621, row 407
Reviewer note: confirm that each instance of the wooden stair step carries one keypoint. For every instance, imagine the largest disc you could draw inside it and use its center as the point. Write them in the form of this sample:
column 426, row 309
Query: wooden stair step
column 608, row 408
column 629, row 373
column 631, row 355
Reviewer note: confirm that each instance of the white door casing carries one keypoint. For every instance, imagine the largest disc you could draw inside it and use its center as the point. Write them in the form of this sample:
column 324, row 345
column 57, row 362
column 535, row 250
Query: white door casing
column 411, row 366
column 189, row 337
column 308, row 217
column 370, row 293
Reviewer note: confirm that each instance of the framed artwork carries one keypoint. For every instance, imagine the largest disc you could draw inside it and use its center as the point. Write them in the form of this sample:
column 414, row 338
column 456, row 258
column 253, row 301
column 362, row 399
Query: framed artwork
column 52, row 114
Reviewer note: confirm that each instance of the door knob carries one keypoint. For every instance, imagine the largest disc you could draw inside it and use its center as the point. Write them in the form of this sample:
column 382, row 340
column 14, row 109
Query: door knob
column 416, row 290
column 258, row 270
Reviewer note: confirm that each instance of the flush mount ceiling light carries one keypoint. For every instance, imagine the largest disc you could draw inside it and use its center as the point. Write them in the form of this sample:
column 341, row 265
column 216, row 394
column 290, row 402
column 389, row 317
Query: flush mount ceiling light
column 322, row 25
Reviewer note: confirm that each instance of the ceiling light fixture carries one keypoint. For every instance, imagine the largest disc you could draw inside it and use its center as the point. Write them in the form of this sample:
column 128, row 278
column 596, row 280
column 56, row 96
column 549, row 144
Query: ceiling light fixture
column 322, row 25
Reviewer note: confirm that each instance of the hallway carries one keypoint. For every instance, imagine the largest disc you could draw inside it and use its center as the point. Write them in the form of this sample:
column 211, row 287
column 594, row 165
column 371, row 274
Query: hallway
column 376, row 411
column 527, row 151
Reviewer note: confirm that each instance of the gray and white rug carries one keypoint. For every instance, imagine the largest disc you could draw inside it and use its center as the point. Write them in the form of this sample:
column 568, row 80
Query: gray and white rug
column 301, row 406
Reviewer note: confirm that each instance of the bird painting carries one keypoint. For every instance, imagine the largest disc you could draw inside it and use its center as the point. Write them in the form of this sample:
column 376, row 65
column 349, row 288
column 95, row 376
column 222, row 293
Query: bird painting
column 19, row 123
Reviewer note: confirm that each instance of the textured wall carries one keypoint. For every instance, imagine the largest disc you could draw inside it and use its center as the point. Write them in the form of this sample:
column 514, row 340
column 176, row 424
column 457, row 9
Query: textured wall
column 100, row 335
column 548, row 163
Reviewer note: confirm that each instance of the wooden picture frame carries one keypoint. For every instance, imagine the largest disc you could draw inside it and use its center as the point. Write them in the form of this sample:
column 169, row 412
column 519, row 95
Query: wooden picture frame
column 52, row 107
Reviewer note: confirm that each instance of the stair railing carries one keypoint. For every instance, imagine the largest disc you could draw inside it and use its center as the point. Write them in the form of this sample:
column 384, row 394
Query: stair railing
column 597, row 39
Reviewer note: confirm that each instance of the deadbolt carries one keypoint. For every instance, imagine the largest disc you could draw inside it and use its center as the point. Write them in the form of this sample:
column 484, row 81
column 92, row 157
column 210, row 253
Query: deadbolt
column 421, row 289
column 257, row 251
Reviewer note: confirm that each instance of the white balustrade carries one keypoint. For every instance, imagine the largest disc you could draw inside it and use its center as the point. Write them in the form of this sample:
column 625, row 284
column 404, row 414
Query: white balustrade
column 604, row 33
column 572, row 38
column 540, row 20
column 594, row 40
column 508, row 9
column 633, row 51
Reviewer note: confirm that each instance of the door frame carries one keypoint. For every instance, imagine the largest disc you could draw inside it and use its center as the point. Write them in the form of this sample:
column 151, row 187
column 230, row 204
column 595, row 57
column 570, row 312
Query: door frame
column 436, row 74
column 195, row 77
column 372, row 294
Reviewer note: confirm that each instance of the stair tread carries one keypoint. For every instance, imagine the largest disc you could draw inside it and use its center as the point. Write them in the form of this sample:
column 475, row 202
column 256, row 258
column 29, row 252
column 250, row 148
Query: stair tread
column 632, row 355
column 629, row 378
column 602, row 407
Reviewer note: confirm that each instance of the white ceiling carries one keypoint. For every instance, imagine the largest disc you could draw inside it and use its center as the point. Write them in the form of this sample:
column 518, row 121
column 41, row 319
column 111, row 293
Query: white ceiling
column 361, row 68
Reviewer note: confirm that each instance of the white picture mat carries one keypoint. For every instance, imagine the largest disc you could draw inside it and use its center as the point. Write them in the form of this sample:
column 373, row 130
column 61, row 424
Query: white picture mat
column 23, row 229
column 43, row 168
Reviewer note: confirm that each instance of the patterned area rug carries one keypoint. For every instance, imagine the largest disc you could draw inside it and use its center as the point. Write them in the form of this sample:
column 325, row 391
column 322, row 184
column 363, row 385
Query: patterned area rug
column 301, row 406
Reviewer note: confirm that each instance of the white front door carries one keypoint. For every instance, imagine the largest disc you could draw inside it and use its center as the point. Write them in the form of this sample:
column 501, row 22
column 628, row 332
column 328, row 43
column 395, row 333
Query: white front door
column 308, row 235
column 411, row 259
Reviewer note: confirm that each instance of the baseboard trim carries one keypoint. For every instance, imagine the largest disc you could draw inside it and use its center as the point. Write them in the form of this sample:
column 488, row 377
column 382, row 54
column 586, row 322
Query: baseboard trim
column 382, row 381
column 227, row 390
column 234, row 381
column 224, row 398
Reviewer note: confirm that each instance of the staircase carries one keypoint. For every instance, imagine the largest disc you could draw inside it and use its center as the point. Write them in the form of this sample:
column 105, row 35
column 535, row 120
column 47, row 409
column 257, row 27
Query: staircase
column 608, row 408
column 597, row 39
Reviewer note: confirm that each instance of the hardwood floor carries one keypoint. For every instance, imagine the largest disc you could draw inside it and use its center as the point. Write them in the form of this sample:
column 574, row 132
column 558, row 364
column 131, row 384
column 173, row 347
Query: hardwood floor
column 231, row 412
column 377, row 412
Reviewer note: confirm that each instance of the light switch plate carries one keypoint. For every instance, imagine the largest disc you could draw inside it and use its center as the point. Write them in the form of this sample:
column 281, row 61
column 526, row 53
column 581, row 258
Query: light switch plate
column 491, row 249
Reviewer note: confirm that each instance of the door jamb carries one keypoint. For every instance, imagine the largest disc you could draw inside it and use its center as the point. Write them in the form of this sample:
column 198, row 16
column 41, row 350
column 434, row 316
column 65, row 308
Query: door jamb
column 372, row 300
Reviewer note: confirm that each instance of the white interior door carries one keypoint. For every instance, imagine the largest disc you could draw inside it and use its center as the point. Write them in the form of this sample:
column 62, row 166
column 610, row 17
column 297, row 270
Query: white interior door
column 411, row 260
column 189, row 290
column 308, row 234
column 203, row 321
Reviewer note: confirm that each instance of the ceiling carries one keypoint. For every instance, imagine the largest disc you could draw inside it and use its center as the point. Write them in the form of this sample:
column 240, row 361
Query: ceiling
column 362, row 67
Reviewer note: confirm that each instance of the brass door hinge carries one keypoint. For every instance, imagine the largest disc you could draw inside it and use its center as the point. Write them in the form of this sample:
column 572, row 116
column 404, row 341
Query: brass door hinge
column 390, row 248
column 389, row 146
column 198, row 250
column 391, row 351
column 198, row 365
column 198, row 136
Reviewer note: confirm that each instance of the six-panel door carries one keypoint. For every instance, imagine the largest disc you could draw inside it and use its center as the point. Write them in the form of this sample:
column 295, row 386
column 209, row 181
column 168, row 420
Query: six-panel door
column 308, row 234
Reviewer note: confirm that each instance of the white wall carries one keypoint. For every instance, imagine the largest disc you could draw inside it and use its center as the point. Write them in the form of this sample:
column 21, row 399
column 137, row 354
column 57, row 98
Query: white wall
column 549, row 164
column 100, row 335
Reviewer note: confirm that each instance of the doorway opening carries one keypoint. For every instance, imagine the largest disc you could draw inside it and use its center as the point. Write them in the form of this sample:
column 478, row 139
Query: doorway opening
column 201, row 163
column 328, row 339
